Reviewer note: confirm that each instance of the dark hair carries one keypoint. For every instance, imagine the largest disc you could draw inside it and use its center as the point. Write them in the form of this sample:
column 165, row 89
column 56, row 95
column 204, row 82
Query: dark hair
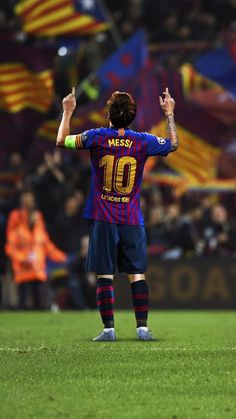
column 121, row 109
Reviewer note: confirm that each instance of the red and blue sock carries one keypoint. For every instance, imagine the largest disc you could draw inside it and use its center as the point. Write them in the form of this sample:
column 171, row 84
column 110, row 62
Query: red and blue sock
column 105, row 301
column 140, row 301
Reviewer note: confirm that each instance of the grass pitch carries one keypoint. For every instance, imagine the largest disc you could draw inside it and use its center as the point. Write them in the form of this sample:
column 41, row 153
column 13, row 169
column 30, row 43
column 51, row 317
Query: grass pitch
column 51, row 369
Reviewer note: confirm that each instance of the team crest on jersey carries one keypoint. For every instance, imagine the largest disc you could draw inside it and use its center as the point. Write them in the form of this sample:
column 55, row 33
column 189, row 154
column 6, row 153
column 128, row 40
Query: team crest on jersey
column 84, row 136
column 161, row 140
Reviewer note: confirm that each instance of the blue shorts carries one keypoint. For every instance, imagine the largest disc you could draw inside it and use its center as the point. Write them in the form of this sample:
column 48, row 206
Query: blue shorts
column 117, row 248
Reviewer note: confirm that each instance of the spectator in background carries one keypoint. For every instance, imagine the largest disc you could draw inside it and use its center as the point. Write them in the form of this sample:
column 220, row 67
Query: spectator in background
column 12, row 180
column 73, row 287
column 16, row 163
column 156, row 230
column 68, row 232
column 68, row 227
column 49, row 185
column 171, row 222
column 219, row 236
column 80, row 178
column 27, row 247
column 187, row 236
column 181, row 231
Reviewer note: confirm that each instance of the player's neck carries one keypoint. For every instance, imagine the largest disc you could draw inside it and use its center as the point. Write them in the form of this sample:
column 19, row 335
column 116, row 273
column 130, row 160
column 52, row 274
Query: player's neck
column 121, row 131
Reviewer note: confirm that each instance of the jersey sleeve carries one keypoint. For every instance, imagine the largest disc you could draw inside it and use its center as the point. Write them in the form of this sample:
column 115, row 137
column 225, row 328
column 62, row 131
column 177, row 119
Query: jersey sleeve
column 82, row 141
column 157, row 146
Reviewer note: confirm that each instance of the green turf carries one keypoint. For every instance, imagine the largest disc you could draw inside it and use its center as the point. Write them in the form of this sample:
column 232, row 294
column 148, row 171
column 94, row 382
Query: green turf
column 51, row 369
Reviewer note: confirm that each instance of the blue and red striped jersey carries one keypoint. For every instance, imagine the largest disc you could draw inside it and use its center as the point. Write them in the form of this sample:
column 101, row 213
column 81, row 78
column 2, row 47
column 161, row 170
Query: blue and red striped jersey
column 117, row 161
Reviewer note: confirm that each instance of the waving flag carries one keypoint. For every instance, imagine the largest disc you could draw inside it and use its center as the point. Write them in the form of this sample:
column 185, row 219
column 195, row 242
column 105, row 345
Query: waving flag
column 215, row 185
column 26, row 79
column 26, row 92
column 182, row 184
column 216, row 95
column 195, row 159
column 21, row 88
column 192, row 80
column 89, row 116
column 216, row 102
column 125, row 63
column 219, row 65
column 146, row 89
column 61, row 17
column 49, row 128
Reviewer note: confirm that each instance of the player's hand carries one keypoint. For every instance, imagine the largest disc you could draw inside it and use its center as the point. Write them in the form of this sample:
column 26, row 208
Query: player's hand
column 167, row 104
column 69, row 102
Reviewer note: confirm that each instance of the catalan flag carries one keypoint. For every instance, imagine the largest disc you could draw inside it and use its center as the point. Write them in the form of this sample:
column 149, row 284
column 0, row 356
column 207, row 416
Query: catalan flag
column 26, row 79
column 215, row 185
column 182, row 184
column 165, row 178
column 194, row 81
column 88, row 116
column 21, row 88
column 49, row 128
column 195, row 159
column 26, row 92
column 61, row 17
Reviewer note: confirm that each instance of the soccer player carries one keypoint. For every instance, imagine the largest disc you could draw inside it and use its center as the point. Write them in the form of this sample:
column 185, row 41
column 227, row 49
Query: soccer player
column 117, row 235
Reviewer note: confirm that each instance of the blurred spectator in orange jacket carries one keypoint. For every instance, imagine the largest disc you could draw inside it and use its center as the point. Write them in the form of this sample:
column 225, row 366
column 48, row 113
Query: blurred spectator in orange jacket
column 28, row 245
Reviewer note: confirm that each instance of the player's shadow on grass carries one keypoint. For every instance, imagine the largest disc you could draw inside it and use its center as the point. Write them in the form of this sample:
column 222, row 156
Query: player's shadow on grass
column 134, row 339
column 122, row 340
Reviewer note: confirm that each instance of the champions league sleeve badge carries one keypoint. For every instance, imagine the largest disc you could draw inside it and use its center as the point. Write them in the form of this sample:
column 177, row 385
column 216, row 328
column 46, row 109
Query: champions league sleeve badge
column 160, row 140
column 84, row 136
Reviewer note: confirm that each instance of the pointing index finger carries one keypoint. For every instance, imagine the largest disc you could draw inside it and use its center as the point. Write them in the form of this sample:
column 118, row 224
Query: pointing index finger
column 166, row 93
column 73, row 91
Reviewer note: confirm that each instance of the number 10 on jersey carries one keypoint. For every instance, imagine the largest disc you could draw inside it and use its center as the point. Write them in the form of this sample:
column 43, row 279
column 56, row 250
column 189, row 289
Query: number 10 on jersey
column 114, row 173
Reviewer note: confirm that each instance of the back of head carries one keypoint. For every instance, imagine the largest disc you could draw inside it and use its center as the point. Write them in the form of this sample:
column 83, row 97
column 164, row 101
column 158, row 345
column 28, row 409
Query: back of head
column 121, row 109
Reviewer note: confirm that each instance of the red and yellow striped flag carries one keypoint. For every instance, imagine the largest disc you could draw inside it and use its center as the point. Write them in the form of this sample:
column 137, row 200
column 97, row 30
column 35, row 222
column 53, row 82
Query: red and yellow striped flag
column 22, row 88
column 90, row 119
column 195, row 159
column 49, row 128
column 193, row 81
column 214, row 185
column 61, row 17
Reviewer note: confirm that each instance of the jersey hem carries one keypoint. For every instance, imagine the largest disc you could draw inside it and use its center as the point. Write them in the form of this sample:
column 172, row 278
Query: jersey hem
column 112, row 222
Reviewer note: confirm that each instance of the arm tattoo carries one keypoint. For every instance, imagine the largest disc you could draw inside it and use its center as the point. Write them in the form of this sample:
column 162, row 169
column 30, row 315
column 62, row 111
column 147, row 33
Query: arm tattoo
column 172, row 132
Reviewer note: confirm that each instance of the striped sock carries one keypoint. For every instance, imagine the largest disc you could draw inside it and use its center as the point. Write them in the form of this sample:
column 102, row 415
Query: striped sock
column 140, row 301
column 105, row 301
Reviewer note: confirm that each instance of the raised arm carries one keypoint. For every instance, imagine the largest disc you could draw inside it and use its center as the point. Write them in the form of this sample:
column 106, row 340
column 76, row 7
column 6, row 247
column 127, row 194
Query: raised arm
column 68, row 105
column 167, row 105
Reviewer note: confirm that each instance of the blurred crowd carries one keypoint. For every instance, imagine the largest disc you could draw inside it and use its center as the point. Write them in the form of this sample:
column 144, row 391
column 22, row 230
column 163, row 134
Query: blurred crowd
column 40, row 218
column 176, row 20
